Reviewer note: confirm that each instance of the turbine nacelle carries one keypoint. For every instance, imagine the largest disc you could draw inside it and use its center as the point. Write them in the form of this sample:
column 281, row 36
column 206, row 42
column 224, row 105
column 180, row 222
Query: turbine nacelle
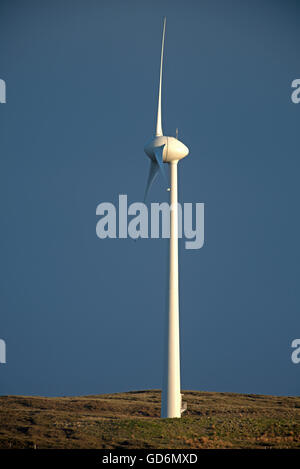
column 172, row 149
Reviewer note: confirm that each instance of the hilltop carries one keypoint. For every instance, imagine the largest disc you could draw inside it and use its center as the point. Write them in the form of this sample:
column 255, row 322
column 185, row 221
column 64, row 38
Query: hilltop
column 131, row 420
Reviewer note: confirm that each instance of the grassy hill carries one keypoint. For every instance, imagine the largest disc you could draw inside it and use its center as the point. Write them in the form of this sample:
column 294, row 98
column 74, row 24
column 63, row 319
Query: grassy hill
column 130, row 420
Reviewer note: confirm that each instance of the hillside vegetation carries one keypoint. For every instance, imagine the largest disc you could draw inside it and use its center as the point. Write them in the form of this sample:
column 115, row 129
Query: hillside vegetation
column 131, row 420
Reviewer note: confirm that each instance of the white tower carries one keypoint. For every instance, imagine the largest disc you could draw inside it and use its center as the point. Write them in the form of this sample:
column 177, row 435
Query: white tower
column 162, row 149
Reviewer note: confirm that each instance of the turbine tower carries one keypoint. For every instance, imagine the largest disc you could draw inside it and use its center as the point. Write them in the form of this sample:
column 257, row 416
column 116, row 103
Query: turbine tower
column 162, row 149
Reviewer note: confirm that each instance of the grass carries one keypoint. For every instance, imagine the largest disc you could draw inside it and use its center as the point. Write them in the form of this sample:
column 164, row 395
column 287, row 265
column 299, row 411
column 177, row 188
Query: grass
column 131, row 420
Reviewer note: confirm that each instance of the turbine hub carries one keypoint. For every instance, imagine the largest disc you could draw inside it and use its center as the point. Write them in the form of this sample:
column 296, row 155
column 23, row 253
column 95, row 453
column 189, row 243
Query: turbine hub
column 174, row 150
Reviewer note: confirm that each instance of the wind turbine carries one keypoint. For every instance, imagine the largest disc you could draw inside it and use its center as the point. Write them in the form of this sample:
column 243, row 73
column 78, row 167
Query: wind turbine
column 162, row 149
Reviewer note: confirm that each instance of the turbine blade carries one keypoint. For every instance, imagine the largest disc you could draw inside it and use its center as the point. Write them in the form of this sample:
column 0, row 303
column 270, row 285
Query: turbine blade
column 159, row 131
column 153, row 170
column 158, row 153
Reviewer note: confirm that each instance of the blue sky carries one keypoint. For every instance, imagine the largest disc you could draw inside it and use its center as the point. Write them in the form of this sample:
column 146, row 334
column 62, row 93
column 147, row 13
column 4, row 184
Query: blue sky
column 82, row 315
